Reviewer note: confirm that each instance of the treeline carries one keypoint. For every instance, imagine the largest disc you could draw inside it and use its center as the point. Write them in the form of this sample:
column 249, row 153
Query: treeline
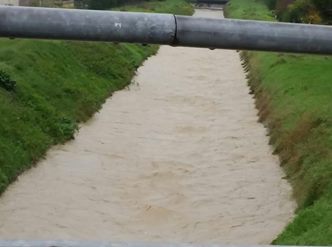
column 103, row 4
column 305, row 11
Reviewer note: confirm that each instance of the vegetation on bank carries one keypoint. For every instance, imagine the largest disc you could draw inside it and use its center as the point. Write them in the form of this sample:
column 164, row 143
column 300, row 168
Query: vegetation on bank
column 173, row 6
column 307, row 11
column 48, row 87
column 293, row 95
column 105, row 4
column 181, row 6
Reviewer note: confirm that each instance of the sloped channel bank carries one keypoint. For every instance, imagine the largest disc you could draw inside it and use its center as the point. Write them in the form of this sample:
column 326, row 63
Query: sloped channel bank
column 59, row 84
column 179, row 157
column 293, row 95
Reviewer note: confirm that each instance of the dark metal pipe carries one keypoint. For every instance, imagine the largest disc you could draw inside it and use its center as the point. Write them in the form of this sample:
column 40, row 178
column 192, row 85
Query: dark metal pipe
column 254, row 35
column 88, row 25
column 166, row 29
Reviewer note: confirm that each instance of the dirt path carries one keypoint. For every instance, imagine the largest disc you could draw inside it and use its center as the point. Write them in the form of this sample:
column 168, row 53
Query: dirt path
column 179, row 157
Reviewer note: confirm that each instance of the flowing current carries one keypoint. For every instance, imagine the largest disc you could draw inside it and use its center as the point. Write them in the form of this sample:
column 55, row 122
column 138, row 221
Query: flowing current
column 177, row 157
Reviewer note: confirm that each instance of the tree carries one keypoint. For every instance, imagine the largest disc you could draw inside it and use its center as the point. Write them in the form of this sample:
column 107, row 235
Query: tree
column 325, row 8
column 323, row 4
column 271, row 3
column 302, row 11
column 281, row 5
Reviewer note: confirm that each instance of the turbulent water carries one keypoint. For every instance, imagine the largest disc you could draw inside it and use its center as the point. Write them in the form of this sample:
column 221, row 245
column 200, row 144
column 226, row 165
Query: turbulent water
column 177, row 157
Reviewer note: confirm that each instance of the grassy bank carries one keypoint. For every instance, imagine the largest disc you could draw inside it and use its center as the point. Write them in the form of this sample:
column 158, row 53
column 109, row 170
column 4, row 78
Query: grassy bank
column 58, row 85
column 293, row 95
column 179, row 7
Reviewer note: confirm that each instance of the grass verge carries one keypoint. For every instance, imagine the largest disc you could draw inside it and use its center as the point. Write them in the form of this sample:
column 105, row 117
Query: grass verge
column 178, row 7
column 293, row 96
column 58, row 85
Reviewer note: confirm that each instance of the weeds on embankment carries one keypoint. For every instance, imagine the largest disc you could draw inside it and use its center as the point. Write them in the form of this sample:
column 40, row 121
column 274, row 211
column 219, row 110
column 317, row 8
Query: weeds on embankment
column 293, row 96
column 59, row 84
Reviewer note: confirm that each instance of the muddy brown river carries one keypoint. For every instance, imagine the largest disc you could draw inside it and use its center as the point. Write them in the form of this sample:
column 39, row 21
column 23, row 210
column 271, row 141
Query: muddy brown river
column 177, row 157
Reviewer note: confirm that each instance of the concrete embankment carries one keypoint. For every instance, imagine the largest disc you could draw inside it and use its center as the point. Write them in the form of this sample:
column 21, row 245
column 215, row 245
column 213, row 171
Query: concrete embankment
column 178, row 157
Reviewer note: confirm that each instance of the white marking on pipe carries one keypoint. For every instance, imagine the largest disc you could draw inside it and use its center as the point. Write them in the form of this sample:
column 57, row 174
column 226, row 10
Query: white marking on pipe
column 118, row 25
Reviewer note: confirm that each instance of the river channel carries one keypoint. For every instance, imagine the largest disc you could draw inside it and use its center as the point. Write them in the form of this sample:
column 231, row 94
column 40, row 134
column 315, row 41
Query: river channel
column 177, row 157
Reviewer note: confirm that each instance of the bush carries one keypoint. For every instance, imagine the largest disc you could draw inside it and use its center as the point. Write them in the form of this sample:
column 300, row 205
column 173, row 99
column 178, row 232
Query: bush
column 323, row 5
column 308, row 11
column 7, row 83
column 302, row 11
column 271, row 3
column 282, row 5
column 325, row 8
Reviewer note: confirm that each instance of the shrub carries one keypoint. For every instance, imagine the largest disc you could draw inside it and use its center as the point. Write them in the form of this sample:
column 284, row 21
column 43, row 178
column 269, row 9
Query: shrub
column 6, row 82
column 323, row 5
column 282, row 5
column 302, row 11
column 271, row 3
column 325, row 8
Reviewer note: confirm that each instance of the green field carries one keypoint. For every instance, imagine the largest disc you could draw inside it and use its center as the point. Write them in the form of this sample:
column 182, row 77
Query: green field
column 58, row 85
column 293, row 95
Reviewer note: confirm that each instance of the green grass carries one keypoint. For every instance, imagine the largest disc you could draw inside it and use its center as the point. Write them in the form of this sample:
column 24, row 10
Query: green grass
column 293, row 95
column 60, row 84
column 249, row 9
column 179, row 7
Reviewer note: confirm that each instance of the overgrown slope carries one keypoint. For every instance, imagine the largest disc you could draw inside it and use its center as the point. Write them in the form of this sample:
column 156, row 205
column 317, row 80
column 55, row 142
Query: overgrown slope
column 58, row 85
column 293, row 95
